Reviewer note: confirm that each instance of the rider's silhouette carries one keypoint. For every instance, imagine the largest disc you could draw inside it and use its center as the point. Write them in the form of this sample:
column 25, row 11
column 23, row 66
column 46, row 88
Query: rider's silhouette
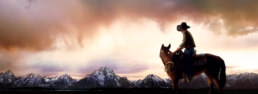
column 188, row 44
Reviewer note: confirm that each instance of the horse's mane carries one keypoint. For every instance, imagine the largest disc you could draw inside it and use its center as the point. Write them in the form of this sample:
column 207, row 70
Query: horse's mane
column 176, row 57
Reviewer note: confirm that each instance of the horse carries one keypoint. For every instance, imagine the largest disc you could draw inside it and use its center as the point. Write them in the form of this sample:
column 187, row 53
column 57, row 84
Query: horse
column 211, row 65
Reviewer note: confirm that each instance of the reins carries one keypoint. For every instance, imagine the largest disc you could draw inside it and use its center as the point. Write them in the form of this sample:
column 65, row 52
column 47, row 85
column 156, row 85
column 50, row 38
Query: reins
column 168, row 67
column 168, row 63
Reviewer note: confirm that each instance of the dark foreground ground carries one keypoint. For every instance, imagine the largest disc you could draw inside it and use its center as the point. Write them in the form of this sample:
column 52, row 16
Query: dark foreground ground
column 122, row 91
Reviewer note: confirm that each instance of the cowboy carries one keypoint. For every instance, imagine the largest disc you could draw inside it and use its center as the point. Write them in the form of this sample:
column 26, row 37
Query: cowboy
column 188, row 44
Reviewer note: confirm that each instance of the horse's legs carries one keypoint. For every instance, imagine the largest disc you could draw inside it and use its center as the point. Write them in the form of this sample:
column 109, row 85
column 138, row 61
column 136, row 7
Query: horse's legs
column 210, row 81
column 175, row 86
column 216, row 81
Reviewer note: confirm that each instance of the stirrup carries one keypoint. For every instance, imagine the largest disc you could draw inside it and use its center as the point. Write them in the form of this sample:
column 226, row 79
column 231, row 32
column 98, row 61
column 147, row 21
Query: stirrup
column 187, row 79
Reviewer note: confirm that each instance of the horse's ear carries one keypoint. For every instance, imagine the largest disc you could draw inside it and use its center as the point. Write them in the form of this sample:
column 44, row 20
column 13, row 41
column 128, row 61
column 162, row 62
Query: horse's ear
column 169, row 46
column 162, row 45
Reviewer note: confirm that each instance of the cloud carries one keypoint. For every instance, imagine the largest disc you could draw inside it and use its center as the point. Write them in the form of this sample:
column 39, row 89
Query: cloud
column 48, row 68
column 24, row 29
column 10, row 60
column 231, row 67
column 37, row 27
column 41, row 67
column 43, row 24
column 29, row 25
column 235, row 16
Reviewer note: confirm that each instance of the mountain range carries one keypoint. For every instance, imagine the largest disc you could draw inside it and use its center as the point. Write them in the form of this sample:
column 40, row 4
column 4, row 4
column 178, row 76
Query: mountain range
column 106, row 78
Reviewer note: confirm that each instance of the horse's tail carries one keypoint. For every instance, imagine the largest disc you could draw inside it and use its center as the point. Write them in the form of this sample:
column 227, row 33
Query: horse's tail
column 222, row 74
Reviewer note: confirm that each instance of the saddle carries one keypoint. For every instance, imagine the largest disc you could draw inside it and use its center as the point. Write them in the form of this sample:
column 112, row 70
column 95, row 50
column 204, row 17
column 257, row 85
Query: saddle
column 198, row 59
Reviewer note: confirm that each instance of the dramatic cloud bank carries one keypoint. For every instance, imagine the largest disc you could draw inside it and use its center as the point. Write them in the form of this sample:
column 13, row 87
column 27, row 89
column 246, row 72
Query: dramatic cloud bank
column 29, row 26
column 36, row 24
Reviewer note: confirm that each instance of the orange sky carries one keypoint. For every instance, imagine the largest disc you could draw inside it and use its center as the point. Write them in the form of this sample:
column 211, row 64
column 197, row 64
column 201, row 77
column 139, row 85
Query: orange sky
column 50, row 37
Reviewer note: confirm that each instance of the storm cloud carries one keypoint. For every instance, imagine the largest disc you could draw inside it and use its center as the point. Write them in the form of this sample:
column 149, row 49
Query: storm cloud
column 38, row 26
column 41, row 25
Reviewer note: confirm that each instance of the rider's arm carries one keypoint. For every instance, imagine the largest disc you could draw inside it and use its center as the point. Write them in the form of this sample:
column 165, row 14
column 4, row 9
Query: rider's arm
column 178, row 49
column 182, row 45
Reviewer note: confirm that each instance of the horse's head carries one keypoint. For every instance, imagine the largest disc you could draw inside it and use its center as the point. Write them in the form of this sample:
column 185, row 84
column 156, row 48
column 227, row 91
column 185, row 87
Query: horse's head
column 164, row 48
column 167, row 58
column 165, row 54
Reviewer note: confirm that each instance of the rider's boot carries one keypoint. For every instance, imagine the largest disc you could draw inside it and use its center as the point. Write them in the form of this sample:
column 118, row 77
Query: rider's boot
column 187, row 79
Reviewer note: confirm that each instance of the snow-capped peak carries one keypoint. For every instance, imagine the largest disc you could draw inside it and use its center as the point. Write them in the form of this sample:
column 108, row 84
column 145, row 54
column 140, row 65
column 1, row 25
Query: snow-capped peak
column 30, row 80
column 8, row 72
column 152, row 81
column 66, row 80
column 51, row 79
column 153, row 77
column 106, row 71
column 65, row 76
column 7, row 77
column 102, row 74
column 32, row 76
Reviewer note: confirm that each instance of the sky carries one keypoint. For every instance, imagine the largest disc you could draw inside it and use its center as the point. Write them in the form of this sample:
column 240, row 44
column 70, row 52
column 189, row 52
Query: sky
column 76, row 37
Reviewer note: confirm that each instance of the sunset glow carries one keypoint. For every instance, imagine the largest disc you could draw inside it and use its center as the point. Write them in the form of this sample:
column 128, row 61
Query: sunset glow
column 50, row 37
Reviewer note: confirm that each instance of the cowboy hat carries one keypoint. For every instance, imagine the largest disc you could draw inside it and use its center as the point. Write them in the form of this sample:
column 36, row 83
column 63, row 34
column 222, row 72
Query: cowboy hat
column 182, row 26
